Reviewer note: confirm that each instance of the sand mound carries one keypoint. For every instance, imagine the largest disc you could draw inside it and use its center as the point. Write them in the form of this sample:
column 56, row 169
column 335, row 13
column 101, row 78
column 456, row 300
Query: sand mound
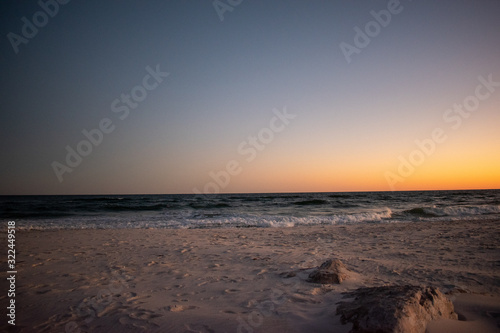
column 395, row 309
column 331, row 271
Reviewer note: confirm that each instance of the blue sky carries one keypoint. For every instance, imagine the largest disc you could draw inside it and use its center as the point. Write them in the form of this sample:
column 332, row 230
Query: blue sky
column 353, row 120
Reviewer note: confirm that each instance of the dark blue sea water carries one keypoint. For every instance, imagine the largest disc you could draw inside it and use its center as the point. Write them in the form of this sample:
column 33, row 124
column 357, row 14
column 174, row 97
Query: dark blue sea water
column 246, row 210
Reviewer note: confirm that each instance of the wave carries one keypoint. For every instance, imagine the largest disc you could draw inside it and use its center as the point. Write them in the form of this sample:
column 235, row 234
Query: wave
column 246, row 210
column 292, row 221
column 341, row 196
column 103, row 199
column 128, row 208
column 248, row 199
column 35, row 215
column 203, row 221
column 453, row 211
column 344, row 204
column 421, row 212
column 209, row 205
column 311, row 202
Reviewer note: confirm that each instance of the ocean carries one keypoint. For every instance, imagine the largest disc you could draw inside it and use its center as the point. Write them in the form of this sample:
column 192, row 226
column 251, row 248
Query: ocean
column 246, row 210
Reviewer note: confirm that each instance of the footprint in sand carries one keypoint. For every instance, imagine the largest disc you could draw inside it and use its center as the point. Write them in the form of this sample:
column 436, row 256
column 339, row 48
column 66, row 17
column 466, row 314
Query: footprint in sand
column 180, row 308
column 297, row 298
column 231, row 291
column 319, row 291
column 141, row 314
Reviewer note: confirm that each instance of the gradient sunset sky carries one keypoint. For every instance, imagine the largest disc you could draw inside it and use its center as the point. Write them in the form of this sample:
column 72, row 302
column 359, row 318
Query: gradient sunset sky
column 350, row 126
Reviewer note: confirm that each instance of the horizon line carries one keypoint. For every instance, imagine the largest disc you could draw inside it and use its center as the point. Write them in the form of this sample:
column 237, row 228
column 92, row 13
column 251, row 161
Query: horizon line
column 236, row 193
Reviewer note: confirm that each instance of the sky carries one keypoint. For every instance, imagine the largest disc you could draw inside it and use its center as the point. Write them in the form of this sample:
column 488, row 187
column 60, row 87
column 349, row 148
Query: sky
column 236, row 96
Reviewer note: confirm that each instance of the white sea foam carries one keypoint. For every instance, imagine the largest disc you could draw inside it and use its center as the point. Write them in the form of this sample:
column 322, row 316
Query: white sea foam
column 463, row 210
column 250, row 210
column 238, row 220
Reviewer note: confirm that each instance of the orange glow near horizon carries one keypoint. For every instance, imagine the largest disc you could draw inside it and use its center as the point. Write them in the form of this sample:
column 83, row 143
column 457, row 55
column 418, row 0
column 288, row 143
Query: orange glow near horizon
column 335, row 180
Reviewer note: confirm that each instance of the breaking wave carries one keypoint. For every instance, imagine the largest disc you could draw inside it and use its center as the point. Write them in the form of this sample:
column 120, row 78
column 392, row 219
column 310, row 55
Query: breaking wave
column 453, row 211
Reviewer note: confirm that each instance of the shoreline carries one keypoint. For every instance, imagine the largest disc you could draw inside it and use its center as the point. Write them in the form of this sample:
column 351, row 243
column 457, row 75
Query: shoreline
column 225, row 279
column 20, row 227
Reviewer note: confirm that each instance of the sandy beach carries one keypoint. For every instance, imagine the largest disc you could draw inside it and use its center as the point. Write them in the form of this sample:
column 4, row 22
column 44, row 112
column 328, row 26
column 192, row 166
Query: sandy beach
column 246, row 279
